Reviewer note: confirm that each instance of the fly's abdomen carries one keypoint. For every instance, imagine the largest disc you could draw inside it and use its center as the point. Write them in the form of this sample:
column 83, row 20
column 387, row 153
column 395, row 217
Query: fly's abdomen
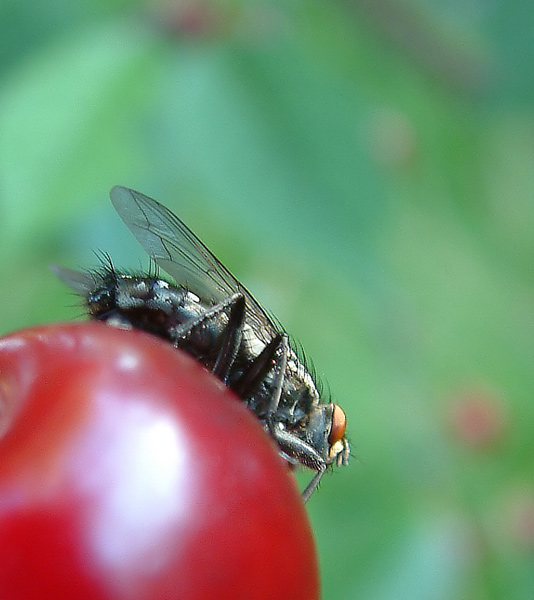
column 147, row 303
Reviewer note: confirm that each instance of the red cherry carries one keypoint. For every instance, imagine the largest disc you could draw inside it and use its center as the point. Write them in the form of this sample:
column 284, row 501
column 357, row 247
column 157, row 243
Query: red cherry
column 127, row 471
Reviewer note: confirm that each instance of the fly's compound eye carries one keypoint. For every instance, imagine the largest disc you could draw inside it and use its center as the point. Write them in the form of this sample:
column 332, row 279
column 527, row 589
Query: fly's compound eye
column 339, row 424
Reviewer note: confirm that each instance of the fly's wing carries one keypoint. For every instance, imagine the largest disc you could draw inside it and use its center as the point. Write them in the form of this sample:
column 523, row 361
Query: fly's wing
column 82, row 283
column 177, row 250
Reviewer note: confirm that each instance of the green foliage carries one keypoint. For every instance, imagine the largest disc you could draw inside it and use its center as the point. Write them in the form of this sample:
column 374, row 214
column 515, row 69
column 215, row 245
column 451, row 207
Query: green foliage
column 366, row 169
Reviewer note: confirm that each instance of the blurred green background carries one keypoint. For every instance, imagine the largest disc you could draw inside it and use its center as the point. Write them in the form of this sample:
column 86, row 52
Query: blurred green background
column 366, row 168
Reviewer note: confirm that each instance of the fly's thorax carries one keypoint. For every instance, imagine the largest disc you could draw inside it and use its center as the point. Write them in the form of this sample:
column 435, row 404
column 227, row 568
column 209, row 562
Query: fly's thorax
column 321, row 425
column 300, row 394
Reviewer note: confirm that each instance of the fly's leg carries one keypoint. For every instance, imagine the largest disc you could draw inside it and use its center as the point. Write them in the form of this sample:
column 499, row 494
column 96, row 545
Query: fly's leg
column 313, row 485
column 231, row 339
column 274, row 355
column 231, row 335
column 295, row 448
column 292, row 448
column 281, row 365
column 258, row 369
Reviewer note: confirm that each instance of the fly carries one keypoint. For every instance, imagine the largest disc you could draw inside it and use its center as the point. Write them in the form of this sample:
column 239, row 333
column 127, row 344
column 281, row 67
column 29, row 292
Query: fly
column 213, row 317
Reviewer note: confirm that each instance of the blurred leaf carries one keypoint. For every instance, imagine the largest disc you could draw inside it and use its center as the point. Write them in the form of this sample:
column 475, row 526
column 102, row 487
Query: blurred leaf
column 66, row 122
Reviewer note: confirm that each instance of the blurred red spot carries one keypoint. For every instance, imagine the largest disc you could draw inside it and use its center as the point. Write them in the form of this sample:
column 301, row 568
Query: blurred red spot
column 477, row 418
column 191, row 18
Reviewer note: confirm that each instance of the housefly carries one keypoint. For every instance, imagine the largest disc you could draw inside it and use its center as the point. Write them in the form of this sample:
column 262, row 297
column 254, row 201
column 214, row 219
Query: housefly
column 213, row 317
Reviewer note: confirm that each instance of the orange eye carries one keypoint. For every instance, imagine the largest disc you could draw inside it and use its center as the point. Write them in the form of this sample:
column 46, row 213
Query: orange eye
column 339, row 423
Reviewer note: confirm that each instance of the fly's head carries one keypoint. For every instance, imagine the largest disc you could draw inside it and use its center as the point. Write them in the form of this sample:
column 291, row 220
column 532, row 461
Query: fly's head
column 320, row 426
column 325, row 431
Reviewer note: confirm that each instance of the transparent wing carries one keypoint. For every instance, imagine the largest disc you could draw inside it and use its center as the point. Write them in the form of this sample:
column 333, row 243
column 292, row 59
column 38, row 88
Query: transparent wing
column 177, row 250
column 82, row 283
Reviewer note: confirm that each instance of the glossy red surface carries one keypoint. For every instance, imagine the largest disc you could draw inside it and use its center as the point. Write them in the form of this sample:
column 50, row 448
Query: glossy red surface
column 129, row 472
